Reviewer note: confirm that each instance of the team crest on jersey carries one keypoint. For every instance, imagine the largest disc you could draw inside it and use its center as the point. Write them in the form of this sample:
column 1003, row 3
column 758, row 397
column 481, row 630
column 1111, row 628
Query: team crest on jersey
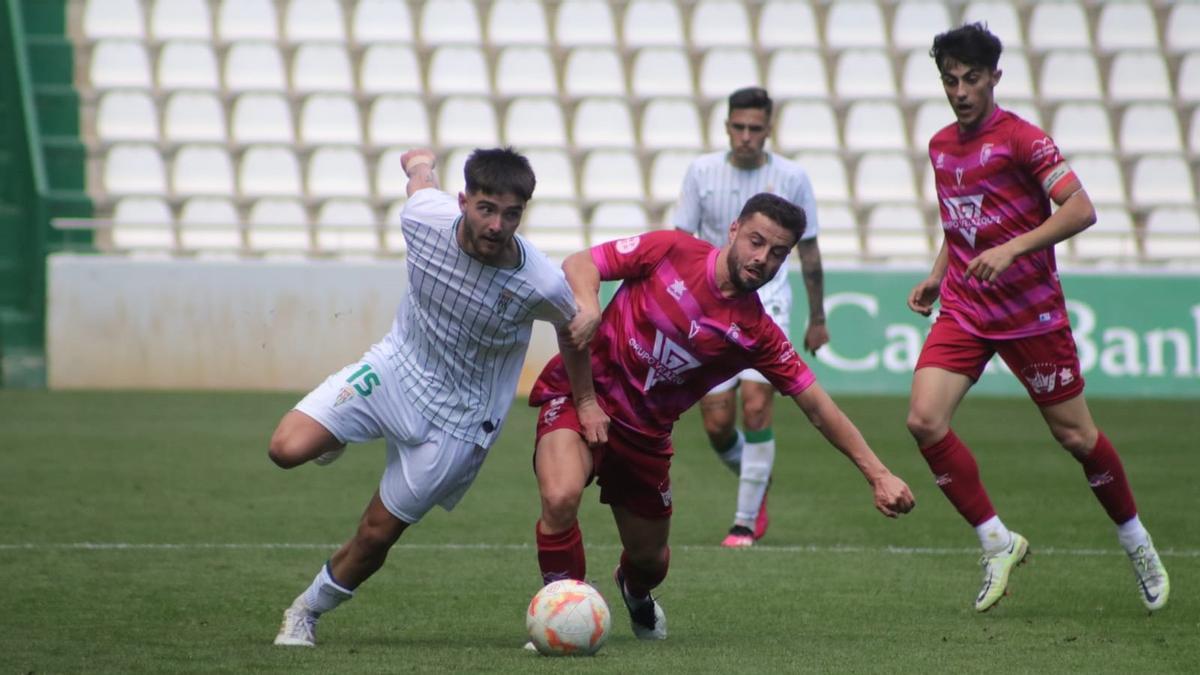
column 627, row 245
column 677, row 289
column 344, row 395
column 506, row 297
column 941, row 161
column 667, row 362
column 985, row 153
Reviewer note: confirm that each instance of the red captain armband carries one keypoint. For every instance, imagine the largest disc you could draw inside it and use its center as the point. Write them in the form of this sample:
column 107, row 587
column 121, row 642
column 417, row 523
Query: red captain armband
column 1060, row 182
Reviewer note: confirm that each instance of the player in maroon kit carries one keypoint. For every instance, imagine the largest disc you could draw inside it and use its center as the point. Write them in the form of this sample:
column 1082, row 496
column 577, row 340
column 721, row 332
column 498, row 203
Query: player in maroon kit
column 685, row 319
column 996, row 175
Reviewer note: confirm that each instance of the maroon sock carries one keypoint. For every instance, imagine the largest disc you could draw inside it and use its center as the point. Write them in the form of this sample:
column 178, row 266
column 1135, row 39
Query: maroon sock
column 639, row 581
column 957, row 475
column 1106, row 475
column 561, row 555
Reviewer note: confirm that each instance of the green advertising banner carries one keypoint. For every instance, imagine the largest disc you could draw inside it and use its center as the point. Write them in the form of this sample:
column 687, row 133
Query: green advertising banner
column 1138, row 335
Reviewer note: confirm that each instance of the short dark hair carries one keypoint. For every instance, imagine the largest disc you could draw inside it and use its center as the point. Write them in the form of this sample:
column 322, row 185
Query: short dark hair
column 499, row 171
column 971, row 44
column 751, row 97
column 786, row 214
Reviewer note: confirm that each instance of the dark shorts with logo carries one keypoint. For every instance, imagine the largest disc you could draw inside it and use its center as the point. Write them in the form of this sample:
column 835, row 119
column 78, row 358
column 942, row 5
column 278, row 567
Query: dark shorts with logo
column 629, row 474
column 1046, row 364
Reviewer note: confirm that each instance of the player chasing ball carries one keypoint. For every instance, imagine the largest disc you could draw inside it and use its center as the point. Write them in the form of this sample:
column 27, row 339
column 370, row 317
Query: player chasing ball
column 996, row 175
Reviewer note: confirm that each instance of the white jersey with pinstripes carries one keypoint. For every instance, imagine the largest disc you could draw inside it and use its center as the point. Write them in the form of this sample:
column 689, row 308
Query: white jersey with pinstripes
column 714, row 192
column 462, row 329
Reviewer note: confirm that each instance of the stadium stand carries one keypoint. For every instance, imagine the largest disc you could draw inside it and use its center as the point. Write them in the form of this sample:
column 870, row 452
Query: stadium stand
column 285, row 109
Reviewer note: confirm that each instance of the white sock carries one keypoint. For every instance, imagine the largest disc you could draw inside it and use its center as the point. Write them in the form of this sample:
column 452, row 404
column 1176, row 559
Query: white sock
column 993, row 535
column 324, row 594
column 732, row 456
column 757, row 461
column 1132, row 534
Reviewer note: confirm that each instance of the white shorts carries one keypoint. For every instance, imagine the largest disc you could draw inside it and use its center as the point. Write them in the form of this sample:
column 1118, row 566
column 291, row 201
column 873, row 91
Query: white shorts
column 425, row 465
column 779, row 307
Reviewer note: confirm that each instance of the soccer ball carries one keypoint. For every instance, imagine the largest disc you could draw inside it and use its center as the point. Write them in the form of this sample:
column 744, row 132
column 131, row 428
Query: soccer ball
column 568, row 618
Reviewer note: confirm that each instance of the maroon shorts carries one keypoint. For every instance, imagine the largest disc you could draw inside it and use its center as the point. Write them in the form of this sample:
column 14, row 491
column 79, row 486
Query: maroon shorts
column 633, row 472
column 1047, row 364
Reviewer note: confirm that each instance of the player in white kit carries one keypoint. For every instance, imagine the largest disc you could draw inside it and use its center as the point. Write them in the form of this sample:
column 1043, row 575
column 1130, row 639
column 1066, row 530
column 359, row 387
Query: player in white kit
column 438, row 386
column 715, row 188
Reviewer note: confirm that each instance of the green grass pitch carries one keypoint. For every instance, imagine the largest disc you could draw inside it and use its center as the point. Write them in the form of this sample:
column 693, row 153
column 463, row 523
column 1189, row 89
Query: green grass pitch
column 200, row 542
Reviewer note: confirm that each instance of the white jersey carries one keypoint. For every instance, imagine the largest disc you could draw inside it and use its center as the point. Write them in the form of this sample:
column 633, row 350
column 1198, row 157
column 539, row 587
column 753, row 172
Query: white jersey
column 714, row 192
column 461, row 332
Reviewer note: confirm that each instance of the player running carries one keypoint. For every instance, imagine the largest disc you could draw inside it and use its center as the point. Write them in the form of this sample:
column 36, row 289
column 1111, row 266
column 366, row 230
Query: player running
column 686, row 318
column 714, row 190
column 996, row 175
column 439, row 385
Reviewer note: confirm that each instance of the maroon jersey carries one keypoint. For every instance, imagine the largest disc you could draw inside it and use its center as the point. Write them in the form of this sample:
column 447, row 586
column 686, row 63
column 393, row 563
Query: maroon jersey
column 992, row 185
column 669, row 335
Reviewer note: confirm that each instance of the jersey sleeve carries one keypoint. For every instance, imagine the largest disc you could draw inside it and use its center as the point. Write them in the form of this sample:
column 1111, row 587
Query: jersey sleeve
column 776, row 358
column 803, row 197
column 687, row 210
column 633, row 257
column 558, row 302
column 1036, row 153
column 430, row 207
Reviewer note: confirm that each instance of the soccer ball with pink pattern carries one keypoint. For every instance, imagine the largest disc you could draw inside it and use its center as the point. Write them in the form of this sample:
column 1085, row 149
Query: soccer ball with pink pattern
column 568, row 618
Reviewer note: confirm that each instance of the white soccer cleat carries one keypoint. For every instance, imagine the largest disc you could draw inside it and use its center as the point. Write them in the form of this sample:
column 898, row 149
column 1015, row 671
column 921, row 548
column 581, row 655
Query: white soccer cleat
column 530, row 647
column 299, row 628
column 996, row 569
column 1153, row 583
column 646, row 616
column 329, row 457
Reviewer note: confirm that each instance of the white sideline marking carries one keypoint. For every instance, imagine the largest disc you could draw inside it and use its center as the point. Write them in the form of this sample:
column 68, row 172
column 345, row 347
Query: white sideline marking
column 759, row 548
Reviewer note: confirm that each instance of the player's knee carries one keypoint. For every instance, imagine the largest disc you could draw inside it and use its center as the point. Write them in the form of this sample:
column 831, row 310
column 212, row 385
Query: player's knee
column 560, row 506
column 1074, row 440
column 375, row 539
column 653, row 557
column 926, row 429
column 719, row 427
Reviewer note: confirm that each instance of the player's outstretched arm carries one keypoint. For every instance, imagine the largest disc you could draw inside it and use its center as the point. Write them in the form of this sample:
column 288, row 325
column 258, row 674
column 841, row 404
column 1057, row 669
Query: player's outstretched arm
column 418, row 165
column 584, row 278
column 892, row 496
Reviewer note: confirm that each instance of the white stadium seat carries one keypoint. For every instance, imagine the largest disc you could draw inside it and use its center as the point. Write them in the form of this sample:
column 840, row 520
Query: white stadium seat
column 119, row 64
column 584, row 23
column 194, row 116
column 318, row 67
column 921, row 80
column 525, row 71
column 467, row 120
column 389, row 69
column 452, row 170
column 1001, row 19
column 667, row 172
column 534, row 122
column 858, row 23
column 314, row 21
column 1139, row 76
column 1183, row 28
column 458, row 70
column 1173, row 233
column 807, row 125
column 555, row 175
column 612, row 174
column 180, row 19
column 517, row 22
column 1016, row 81
column 104, row 19
column 720, row 23
column 247, row 20
column 874, row 125
column 1194, row 135
column 839, row 232
column 884, row 177
column 671, row 123
column 268, row 171
column 278, row 225
column 616, row 220
column 725, row 69
column 126, row 116
column 134, row 169
column 337, row 172
column 1101, row 176
column 253, row 66
column 142, row 223
column 1162, row 179
column 262, row 118
column 1126, row 26
column 1150, row 127
column 1188, row 90
column 1112, row 236
column 329, row 119
column 1058, row 25
column 661, row 71
column 827, row 172
column 187, row 65
column 450, row 22
column 864, row 73
column 1082, row 127
column 652, row 23
column 797, row 73
column 897, row 231
column 399, row 120
column 209, row 223
column 930, row 118
column 1027, row 111
column 1070, row 75
column 787, row 23
column 347, row 225
column 390, row 180
column 602, row 123
column 381, row 21
column 916, row 22
column 554, row 227
column 594, row 71
column 202, row 170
